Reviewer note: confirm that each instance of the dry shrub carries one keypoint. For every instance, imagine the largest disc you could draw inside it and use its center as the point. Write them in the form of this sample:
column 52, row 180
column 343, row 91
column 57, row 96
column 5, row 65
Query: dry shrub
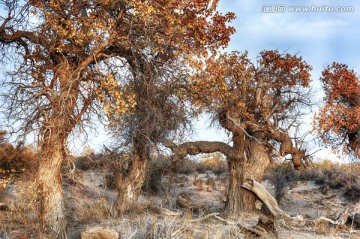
column 335, row 175
column 109, row 182
column 186, row 166
column 213, row 162
column 84, row 163
column 327, row 173
column 14, row 159
column 283, row 177
column 91, row 212
column 210, row 182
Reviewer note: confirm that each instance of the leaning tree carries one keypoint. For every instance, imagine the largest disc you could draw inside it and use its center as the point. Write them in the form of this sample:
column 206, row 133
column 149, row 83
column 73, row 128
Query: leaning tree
column 171, row 37
column 258, row 104
column 338, row 121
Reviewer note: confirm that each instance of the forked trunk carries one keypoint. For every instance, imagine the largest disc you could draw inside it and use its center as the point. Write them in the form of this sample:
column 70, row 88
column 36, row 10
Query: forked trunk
column 130, row 182
column 52, row 217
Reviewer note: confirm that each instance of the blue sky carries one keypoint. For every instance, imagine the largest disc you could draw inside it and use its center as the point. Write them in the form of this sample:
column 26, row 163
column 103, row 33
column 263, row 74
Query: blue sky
column 320, row 37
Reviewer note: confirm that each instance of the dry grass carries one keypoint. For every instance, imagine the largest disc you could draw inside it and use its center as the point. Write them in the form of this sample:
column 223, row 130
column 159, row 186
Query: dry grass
column 88, row 207
column 20, row 219
column 91, row 212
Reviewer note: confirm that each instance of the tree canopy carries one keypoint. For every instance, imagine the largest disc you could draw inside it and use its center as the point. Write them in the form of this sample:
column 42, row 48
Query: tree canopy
column 338, row 121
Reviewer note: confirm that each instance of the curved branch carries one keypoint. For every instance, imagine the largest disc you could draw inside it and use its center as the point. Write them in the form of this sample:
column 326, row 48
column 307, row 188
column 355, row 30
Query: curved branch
column 198, row 147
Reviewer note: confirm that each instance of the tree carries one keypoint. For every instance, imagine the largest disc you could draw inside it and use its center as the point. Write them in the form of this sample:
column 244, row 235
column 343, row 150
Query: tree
column 338, row 121
column 180, row 33
column 258, row 104
column 73, row 58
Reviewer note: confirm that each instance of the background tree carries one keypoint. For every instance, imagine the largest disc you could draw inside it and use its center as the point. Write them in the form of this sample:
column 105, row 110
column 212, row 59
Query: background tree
column 257, row 104
column 338, row 121
column 170, row 38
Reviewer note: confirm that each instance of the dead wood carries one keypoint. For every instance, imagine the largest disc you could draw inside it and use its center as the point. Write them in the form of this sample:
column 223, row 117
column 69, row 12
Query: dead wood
column 184, row 201
column 271, row 203
column 256, row 231
column 276, row 211
column 341, row 220
column 265, row 197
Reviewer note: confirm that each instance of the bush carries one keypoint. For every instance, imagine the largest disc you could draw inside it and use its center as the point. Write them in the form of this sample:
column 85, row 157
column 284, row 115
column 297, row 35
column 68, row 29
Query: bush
column 84, row 163
column 213, row 162
column 186, row 166
column 109, row 181
column 14, row 159
column 353, row 193
column 282, row 177
column 329, row 174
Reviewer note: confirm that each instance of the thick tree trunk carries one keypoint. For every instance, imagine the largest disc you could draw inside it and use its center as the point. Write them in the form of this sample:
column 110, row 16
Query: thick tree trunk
column 130, row 181
column 52, row 218
column 238, row 199
column 253, row 166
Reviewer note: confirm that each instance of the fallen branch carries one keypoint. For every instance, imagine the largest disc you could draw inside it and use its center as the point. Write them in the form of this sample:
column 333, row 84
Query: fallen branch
column 271, row 202
column 265, row 197
column 276, row 211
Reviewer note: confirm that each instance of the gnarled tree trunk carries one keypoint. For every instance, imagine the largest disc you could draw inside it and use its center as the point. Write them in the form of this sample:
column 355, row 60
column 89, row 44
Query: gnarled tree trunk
column 253, row 166
column 130, row 180
column 238, row 199
column 52, row 219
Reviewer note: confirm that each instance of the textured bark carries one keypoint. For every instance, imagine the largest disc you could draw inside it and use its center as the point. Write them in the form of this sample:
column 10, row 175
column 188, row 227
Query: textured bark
column 238, row 199
column 254, row 167
column 52, row 219
column 129, row 181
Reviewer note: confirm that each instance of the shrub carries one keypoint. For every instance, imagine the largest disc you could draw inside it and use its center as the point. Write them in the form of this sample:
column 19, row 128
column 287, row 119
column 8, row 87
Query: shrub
column 109, row 181
column 186, row 166
column 282, row 177
column 329, row 174
column 213, row 162
column 84, row 163
column 14, row 159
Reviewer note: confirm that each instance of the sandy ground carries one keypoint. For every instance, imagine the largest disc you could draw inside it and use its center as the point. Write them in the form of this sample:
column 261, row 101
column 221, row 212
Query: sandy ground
column 89, row 203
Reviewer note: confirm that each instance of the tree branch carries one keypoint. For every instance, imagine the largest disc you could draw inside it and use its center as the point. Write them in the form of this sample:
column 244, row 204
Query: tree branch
column 197, row 147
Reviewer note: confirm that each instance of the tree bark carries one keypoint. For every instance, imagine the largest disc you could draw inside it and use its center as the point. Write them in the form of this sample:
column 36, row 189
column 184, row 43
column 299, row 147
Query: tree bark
column 253, row 166
column 130, row 180
column 52, row 212
column 238, row 199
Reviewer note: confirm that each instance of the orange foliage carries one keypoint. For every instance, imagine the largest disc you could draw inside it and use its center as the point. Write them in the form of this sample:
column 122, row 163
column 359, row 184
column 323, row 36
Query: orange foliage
column 338, row 121
column 251, row 91
column 14, row 159
column 214, row 162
